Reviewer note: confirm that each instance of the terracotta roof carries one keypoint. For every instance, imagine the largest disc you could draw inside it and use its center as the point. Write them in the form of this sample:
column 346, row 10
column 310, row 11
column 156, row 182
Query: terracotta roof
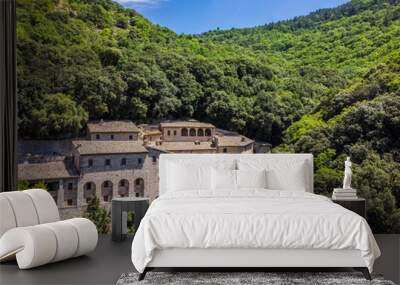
column 47, row 170
column 184, row 146
column 112, row 127
column 86, row 147
column 186, row 124
column 234, row 141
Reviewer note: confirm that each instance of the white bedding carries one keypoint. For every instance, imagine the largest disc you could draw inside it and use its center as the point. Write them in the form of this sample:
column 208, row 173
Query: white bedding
column 252, row 218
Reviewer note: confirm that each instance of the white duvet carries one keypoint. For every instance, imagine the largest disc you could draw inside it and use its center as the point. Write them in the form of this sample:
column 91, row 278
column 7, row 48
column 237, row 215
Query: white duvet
column 250, row 219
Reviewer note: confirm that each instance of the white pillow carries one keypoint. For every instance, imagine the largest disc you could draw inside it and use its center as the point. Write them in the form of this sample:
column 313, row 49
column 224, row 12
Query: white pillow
column 224, row 179
column 251, row 178
column 297, row 180
column 185, row 178
column 282, row 174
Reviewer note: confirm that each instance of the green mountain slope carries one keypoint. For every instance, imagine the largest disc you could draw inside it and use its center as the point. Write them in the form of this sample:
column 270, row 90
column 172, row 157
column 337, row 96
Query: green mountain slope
column 93, row 59
column 327, row 83
column 351, row 38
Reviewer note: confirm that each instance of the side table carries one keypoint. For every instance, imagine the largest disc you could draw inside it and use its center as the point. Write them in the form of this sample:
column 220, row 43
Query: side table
column 357, row 205
column 119, row 215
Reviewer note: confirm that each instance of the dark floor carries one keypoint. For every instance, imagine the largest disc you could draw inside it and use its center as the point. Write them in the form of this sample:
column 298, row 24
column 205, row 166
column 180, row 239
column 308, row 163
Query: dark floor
column 103, row 266
column 110, row 260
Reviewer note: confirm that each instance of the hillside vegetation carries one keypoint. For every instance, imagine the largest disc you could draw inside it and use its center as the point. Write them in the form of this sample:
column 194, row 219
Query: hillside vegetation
column 327, row 83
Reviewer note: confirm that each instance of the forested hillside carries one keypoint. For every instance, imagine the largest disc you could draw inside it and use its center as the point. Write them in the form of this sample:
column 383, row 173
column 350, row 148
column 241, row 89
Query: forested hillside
column 327, row 83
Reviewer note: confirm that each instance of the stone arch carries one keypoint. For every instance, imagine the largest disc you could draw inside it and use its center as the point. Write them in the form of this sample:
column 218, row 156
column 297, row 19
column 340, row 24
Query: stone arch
column 208, row 132
column 89, row 191
column 192, row 132
column 123, row 188
column 139, row 187
column 200, row 133
column 184, row 132
column 107, row 190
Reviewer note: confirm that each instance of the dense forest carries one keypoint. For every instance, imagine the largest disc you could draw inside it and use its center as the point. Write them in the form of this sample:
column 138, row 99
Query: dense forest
column 326, row 83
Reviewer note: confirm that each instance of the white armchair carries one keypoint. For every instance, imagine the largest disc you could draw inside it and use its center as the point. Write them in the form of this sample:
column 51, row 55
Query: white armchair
column 31, row 230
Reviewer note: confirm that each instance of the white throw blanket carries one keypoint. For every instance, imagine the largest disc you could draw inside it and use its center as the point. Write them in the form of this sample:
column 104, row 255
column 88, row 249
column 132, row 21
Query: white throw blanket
column 251, row 219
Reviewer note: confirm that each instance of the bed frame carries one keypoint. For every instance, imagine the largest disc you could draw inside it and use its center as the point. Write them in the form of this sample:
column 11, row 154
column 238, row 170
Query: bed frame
column 246, row 259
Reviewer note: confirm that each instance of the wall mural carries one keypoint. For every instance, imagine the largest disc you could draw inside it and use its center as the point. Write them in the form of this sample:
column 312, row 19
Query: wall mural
column 103, row 92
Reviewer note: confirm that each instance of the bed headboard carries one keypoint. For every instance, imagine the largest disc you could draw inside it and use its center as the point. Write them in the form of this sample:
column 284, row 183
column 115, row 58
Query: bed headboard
column 283, row 162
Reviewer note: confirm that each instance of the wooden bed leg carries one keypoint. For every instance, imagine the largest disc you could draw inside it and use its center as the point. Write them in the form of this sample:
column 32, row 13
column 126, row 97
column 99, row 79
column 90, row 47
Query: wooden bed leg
column 143, row 274
column 365, row 272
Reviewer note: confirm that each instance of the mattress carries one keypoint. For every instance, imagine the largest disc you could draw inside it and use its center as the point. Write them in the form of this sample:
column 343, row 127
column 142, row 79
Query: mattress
column 250, row 219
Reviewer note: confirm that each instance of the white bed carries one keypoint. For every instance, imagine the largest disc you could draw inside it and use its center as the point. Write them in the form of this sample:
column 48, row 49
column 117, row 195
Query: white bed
column 203, row 220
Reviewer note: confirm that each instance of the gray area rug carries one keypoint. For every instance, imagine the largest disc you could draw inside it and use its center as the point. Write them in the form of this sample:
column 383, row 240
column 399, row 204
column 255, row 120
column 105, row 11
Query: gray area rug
column 228, row 278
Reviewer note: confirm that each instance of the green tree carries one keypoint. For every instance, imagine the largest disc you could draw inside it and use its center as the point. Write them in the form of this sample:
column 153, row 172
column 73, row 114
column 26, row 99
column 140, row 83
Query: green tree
column 98, row 215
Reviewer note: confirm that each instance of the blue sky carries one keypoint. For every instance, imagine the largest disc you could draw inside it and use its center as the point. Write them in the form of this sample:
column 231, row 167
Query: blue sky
column 197, row 16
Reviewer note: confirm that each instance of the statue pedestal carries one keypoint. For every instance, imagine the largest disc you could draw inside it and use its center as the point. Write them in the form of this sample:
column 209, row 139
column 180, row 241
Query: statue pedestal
column 344, row 194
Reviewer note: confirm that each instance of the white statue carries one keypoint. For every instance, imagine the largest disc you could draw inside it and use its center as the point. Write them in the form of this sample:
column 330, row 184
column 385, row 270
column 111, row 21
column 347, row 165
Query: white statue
column 347, row 174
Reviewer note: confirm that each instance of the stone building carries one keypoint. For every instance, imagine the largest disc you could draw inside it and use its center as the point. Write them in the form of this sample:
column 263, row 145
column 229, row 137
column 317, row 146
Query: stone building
column 60, row 176
column 150, row 133
column 110, row 169
column 113, row 130
column 184, row 131
column 184, row 147
column 117, row 159
column 234, row 144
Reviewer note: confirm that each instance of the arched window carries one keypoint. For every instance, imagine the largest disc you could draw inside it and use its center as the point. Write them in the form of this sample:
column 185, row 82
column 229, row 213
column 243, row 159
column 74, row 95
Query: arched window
column 107, row 190
column 123, row 188
column 192, row 132
column 89, row 191
column 139, row 187
column 184, row 132
column 200, row 133
column 208, row 132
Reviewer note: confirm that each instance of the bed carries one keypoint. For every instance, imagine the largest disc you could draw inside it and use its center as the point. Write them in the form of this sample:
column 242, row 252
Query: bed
column 246, row 211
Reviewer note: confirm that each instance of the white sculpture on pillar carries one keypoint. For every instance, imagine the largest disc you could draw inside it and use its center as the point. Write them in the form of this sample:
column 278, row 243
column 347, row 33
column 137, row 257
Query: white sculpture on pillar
column 345, row 193
column 347, row 174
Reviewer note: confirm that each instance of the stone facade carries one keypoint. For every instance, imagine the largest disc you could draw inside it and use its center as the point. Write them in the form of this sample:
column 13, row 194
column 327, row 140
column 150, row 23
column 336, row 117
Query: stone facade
column 235, row 149
column 189, row 131
column 113, row 161
column 114, row 136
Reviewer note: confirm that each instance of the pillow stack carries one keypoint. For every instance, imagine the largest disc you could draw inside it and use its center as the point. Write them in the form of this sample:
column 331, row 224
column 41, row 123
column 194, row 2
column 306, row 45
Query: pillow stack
column 214, row 179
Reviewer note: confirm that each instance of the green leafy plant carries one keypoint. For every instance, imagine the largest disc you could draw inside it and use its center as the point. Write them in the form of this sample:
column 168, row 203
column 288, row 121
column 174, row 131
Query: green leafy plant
column 98, row 215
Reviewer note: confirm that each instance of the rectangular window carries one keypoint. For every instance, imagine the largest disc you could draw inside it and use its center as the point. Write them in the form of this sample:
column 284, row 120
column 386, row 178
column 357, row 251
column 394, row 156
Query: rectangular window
column 174, row 133
column 70, row 186
column 53, row 186
column 130, row 137
column 154, row 158
column 123, row 161
column 90, row 162
column 69, row 202
column 168, row 133
column 108, row 162
column 97, row 137
column 139, row 160
column 112, row 137
column 105, row 198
